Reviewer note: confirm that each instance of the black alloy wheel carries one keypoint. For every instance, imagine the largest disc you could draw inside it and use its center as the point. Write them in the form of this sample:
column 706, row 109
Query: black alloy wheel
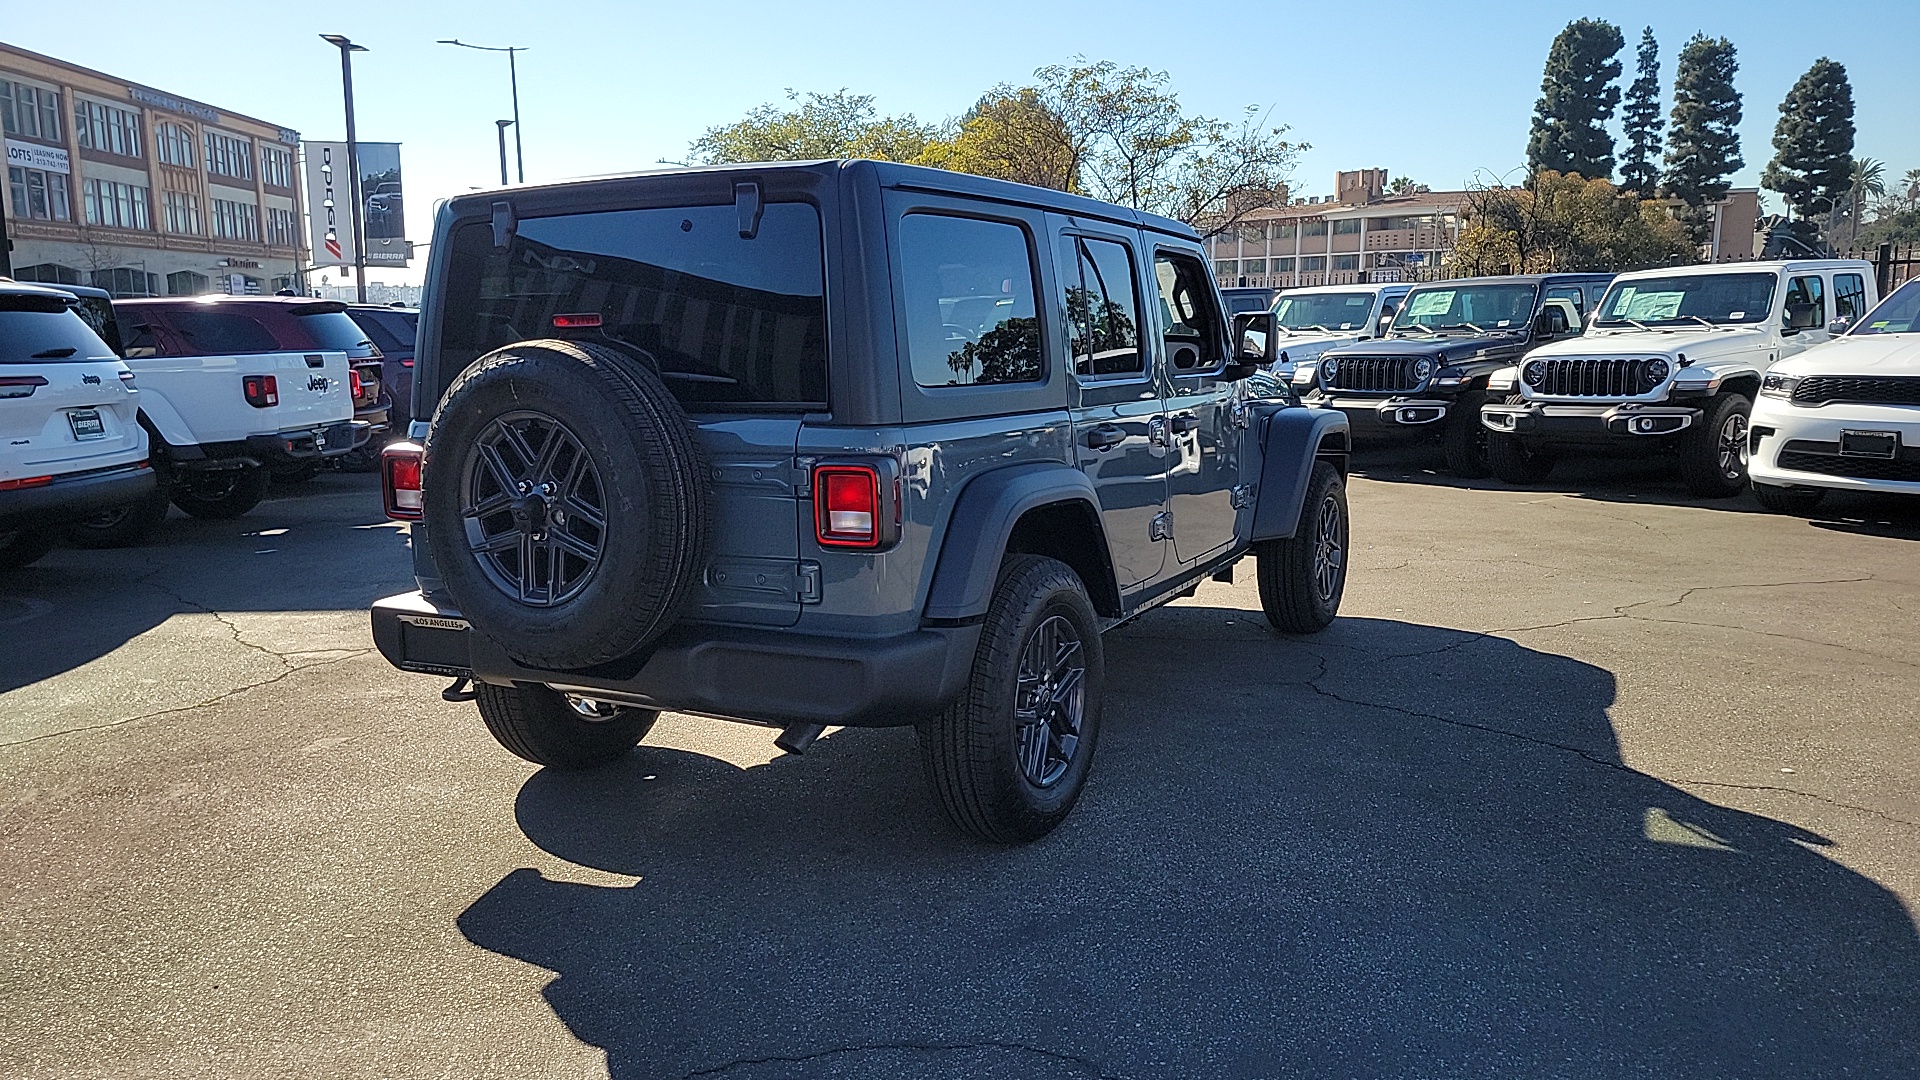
column 534, row 509
column 1050, row 700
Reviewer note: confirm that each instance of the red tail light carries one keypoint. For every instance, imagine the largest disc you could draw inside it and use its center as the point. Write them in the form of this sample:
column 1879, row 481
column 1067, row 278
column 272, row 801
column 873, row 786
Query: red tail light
column 20, row 385
column 581, row 321
column 25, row 482
column 262, row 390
column 846, row 502
column 353, row 385
column 400, row 480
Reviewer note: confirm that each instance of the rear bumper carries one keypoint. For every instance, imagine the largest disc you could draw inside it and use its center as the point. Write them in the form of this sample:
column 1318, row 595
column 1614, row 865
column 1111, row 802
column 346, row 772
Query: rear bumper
column 292, row 447
column 1547, row 421
column 758, row 676
column 69, row 498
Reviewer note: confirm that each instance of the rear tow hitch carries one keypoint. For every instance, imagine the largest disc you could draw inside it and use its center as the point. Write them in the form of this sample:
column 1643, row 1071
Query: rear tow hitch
column 795, row 738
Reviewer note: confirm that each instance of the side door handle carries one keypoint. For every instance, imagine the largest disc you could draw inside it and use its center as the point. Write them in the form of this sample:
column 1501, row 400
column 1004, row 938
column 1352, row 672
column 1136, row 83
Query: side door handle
column 1106, row 437
column 1184, row 423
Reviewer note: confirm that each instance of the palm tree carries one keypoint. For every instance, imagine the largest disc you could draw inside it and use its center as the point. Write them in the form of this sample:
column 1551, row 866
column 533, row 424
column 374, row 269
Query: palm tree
column 1910, row 185
column 1869, row 182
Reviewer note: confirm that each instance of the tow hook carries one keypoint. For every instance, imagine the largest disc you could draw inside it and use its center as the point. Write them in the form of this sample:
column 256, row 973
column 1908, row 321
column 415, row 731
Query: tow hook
column 796, row 737
column 459, row 691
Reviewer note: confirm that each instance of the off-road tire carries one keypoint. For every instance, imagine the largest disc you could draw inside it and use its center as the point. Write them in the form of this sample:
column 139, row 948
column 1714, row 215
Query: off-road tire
column 219, row 494
column 539, row 725
column 1463, row 438
column 658, row 507
column 1703, row 468
column 1299, row 592
column 972, row 751
column 18, row 549
column 1514, row 462
column 123, row 526
column 1788, row 500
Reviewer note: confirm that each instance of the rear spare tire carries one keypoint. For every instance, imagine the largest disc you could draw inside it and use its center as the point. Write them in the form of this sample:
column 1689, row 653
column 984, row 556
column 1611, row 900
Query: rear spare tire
column 566, row 507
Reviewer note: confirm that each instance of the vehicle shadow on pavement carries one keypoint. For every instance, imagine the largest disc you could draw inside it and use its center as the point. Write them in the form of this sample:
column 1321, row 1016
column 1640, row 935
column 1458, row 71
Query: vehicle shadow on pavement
column 1645, row 481
column 1389, row 850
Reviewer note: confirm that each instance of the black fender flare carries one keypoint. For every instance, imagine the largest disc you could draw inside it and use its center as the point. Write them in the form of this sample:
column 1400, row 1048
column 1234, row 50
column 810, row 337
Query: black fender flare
column 1290, row 441
column 982, row 520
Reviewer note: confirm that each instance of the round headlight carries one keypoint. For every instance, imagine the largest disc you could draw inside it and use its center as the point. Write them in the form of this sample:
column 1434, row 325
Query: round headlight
column 1422, row 368
column 1535, row 372
column 1330, row 366
column 1657, row 371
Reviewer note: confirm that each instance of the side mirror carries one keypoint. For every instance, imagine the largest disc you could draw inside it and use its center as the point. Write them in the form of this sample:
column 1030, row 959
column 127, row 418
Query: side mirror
column 1840, row 325
column 1253, row 343
column 1551, row 322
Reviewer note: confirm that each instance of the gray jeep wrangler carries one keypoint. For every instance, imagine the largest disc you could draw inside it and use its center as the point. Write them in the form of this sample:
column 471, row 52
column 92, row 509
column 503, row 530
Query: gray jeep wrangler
column 836, row 443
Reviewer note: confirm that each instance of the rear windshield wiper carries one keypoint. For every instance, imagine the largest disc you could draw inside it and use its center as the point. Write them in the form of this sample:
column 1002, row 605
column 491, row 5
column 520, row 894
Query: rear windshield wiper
column 53, row 354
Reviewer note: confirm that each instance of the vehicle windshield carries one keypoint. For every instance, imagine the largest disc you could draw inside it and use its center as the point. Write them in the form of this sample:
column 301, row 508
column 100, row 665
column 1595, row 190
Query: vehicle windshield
column 1688, row 298
column 39, row 329
column 334, row 330
column 1332, row 310
column 1897, row 314
column 1466, row 307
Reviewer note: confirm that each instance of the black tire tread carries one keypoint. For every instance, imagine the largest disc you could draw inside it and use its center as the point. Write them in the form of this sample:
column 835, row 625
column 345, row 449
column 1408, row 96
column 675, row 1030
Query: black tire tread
column 142, row 518
column 1699, row 451
column 1463, row 440
column 534, row 724
column 250, row 487
column 1511, row 462
column 1284, row 568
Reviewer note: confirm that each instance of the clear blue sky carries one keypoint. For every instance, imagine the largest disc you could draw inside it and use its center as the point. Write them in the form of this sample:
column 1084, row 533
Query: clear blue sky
column 1435, row 91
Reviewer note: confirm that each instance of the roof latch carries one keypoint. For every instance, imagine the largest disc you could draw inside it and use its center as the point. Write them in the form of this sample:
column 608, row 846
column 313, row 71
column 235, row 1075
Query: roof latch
column 504, row 223
column 747, row 207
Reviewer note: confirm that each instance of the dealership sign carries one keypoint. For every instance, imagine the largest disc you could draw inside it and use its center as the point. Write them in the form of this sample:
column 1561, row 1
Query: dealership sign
column 330, row 204
column 22, row 155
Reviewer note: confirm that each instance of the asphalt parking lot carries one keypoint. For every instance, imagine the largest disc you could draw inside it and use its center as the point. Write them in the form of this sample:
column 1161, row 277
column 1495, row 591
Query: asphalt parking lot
column 1588, row 781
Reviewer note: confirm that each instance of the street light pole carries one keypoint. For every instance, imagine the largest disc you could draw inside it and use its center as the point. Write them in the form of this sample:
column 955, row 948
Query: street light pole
column 347, row 49
column 502, row 125
column 513, row 82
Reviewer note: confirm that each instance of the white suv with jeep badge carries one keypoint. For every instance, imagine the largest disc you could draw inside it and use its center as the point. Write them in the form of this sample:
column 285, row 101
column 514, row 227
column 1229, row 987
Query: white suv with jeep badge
column 1844, row 416
column 1670, row 365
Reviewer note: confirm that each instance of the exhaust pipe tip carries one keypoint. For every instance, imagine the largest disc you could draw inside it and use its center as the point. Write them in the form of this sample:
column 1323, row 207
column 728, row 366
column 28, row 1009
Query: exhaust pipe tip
column 795, row 738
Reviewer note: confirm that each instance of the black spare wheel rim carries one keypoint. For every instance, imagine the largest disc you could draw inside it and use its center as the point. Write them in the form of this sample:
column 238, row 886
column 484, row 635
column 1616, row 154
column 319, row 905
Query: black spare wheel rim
column 1329, row 553
column 1050, row 700
column 534, row 510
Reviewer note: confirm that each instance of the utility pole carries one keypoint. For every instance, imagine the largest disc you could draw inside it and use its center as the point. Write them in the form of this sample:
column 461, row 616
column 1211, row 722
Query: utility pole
column 513, row 81
column 347, row 49
column 502, row 126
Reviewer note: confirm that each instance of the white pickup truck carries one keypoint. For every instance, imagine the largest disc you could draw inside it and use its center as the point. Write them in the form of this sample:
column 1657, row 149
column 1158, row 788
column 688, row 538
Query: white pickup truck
column 1670, row 365
column 231, row 388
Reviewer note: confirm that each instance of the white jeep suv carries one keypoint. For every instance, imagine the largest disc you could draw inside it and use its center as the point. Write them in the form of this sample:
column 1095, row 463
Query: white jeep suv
column 70, row 443
column 1845, row 415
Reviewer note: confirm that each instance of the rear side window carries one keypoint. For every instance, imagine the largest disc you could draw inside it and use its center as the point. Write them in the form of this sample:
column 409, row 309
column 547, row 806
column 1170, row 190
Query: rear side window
column 1571, row 293
column 336, row 332
column 1806, row 292
column 206, row 332
column 39, row 330
column 1849, row 296
column 98, row 313
column 1103, row 317
column 969, row 300
column 376, row 331
column 729, row 321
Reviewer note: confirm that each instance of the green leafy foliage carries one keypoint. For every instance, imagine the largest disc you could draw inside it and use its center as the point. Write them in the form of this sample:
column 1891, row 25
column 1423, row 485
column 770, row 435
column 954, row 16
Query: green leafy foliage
column 1014, row 134
column 1565, row 222
column 815, row 125
column 1641, row 119
column 1577, row 97
column 1812, row 166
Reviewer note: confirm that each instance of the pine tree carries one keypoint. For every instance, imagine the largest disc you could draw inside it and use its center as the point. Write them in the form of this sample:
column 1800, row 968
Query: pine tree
column 1639, row 168
column 1703, row 149
column 1812, row 166
column 1577, row 97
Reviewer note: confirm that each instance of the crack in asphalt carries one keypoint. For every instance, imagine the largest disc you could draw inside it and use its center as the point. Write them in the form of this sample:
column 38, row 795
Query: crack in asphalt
column 770, row 1059
column 1792, row 791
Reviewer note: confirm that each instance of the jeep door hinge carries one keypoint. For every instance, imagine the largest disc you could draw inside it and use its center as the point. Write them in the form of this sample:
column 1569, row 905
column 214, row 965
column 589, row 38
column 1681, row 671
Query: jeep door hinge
column 1161, row 528
column 1242, row 495
column 1241, row 413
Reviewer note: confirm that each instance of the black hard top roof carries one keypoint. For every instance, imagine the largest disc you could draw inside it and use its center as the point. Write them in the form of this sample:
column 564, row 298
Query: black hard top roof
column 889, row 174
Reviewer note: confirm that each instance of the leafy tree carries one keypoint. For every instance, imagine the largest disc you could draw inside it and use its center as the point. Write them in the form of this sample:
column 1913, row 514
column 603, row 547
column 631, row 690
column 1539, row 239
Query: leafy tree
column 1401, row 185
column 1577, row 97
column 1639, row 167
column 1703, row 149
column 1565, row 222
column 833, row 125
column 1010, row 134
column 1812, row 166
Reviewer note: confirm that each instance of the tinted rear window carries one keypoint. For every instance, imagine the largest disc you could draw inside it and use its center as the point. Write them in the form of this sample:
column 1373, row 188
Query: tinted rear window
column 29, row 327
column 393, row 335
column 219, row 333
column 335, row 331
column 729, row 321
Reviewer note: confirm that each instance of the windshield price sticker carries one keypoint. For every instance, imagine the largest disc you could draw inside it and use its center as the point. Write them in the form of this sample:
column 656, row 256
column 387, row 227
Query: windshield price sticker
column 1652, row 306
column 1431, row 303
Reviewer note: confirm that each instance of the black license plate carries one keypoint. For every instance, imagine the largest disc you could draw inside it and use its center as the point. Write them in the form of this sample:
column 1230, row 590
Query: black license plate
column 86, row 424
column 1873, row 444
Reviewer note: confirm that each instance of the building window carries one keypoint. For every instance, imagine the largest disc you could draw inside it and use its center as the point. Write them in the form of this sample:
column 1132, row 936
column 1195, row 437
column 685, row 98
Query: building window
column 1283, row 266
column 1287, row 231
column 30, row 111
column 175, row 145
column 47, row 274
column 37, row 194
column 228, row 156
column 1226, row 267
column 123, row 206
column 186, row 283
column 276, row 167
column 1254, row 266
column 125, row 281
column 1313, row 228
column 1313, row 263
column 183, row 213
column 280, row 227
column 1255, row 232
column 107, row 129
column 1346, row 262
column 1347, row 227
column 235, row 221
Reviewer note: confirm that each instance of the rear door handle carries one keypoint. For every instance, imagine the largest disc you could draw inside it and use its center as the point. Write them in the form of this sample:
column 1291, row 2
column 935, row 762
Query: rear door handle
column 1106, row 437
column 1184, row 423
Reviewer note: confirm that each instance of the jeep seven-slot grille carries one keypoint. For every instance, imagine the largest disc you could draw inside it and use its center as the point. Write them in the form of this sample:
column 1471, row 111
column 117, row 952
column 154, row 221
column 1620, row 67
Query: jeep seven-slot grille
column 1806, row 455
column 1593, row 378
column 1820, row 389
column 1374, row 373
